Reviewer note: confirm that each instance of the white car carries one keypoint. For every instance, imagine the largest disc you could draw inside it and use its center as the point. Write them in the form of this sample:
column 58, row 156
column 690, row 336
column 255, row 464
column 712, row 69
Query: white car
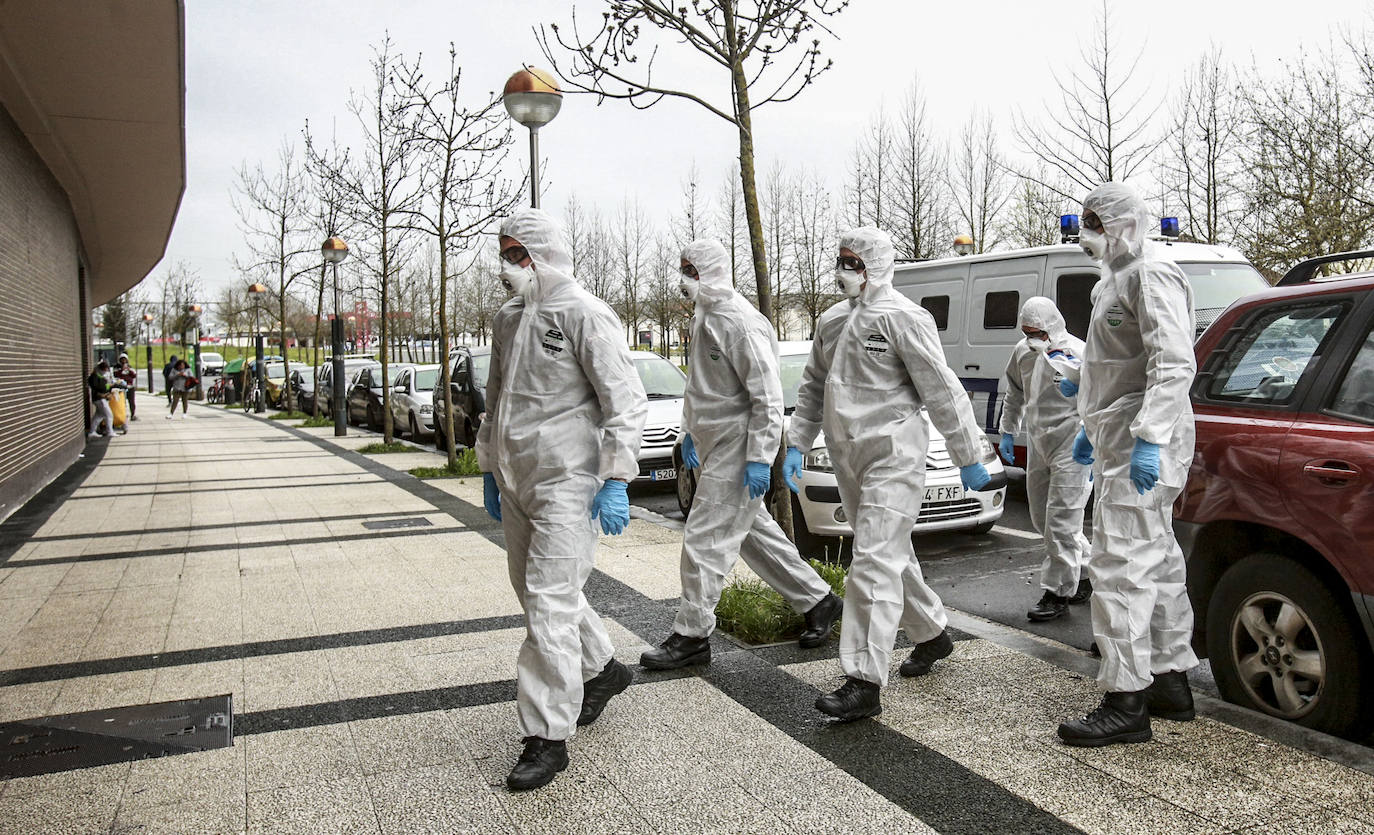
column 211, row 363
column 817, row 513
column 665, row 384
column 412, row 401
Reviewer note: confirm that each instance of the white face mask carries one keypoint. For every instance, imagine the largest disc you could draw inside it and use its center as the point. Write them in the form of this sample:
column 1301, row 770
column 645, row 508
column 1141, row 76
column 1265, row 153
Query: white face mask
column 689, row 288
column 1093, row 243
column 517, row 279
column 850, row 281
column 1037, row 345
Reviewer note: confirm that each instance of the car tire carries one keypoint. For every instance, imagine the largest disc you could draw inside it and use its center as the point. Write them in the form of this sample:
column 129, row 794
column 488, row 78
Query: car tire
column 686, row 486
column 469, row 434
column 1258, row 588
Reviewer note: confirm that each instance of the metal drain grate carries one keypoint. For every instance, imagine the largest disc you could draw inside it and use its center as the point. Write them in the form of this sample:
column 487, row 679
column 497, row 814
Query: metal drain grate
column 387, row 524
column 101, row 737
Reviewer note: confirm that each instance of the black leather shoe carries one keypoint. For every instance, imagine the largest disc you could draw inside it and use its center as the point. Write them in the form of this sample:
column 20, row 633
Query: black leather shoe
column 1051, row 606
column 597, row 692
column 856, row 699
column 538, row 763
column 677, row 651
column 1121, row 717
column 926, row 653
column 1170, row 697
column 1085, row 591
column 820, row 621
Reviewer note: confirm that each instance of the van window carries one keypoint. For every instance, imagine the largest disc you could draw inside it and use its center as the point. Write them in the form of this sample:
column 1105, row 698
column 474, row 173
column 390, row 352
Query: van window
column 1000, row 309
column 938, row 306
column 1073, row 297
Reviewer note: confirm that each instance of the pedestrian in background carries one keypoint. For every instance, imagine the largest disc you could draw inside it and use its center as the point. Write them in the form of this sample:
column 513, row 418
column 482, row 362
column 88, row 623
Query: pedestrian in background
column 99, row 386
column 167, row 376
column 126, row 374
column 179, row 381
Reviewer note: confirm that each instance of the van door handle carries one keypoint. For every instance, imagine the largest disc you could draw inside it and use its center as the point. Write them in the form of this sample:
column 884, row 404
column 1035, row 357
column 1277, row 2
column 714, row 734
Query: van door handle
column 971, row 367
column 1331, row 472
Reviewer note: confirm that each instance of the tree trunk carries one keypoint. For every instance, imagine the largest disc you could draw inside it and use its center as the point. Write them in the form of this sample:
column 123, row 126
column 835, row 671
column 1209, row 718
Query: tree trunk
column 444, row 378
column 315, row 365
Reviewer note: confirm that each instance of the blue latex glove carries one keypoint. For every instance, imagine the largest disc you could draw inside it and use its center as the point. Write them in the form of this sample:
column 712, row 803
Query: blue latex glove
column 757, row 478
column 1144, row 465
column 1082, row 448
column 1068, row 387
column 791, row 469
column 975, row 477
column 491, row 496
column 1008, row 447
column 613, row 506
column 689, row 453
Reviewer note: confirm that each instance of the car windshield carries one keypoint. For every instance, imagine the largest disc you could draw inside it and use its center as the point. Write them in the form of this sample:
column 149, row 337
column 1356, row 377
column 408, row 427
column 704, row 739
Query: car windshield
column 426, row 379
column 661, row 378
column 1215, row 285
column 790, row 368
column 210, row 356
column 481, row 364
column 275, row 372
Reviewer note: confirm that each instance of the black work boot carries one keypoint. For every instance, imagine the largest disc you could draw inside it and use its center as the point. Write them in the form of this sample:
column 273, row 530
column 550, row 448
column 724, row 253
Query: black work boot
column 677, row 651
column 856, row 699
column 538, row 763
column 926, row 653
column 597, row 692
column 1085, row 591
column 820, row 621
column 1121, row 717
column 1051, row 606
column 1170, row 697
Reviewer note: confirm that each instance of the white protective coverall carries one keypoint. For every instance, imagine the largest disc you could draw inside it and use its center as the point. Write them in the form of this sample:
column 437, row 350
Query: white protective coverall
column 876, row 361
column 1057, row 487
column 733, row 411
column 565, row 412
column 1138, row 366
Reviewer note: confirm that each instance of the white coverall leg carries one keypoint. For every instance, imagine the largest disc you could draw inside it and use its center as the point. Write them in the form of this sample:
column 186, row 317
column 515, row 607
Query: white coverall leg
column 550, row 542
column 1057, row 490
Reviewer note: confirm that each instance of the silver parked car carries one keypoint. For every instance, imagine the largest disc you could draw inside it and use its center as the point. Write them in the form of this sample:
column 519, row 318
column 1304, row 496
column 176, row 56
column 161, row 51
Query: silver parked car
column 412, row 401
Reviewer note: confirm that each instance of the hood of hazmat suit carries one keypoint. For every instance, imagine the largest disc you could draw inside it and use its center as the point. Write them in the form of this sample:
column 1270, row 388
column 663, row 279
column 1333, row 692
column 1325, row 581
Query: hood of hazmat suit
column 1138, row 367
column 733, row 410
column 565, row 412
column 875, row 363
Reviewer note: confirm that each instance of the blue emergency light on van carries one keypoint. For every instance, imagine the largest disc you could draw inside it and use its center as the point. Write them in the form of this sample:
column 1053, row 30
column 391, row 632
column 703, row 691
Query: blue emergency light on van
column 1168, row 226
column 1068, row 226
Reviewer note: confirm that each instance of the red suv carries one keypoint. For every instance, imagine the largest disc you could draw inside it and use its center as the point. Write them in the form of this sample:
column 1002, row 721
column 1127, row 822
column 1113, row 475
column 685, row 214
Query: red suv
column 1277, row 519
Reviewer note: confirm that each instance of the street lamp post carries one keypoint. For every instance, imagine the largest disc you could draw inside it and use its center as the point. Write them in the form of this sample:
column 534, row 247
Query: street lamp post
column 334, row 251
column 148, row 336
column 532, row 98
column 256, row 289
column 195, row 310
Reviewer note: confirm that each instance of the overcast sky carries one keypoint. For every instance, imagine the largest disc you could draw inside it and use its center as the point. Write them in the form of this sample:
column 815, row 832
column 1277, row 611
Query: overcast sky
column 257, row 69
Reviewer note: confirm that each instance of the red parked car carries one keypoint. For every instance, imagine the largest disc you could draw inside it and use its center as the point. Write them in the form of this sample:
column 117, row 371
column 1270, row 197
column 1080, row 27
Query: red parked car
column 1277, row 519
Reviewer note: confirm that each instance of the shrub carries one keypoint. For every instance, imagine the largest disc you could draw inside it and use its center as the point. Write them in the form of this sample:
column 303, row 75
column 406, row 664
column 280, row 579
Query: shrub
column 466, row 466
column 288, row 416
column 382, row 449
column 752, row 611
column 318, row 421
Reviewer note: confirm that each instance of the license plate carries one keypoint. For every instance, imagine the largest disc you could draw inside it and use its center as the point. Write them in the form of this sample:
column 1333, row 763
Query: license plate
column 662, row 475
column 944, row 494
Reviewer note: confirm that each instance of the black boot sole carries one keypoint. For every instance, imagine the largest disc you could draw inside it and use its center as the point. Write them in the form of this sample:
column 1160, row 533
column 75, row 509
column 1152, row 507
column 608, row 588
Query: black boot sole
column 696, row 658
column 1174, row 715
column 516, row 786
column 851, row 717
column 1034, row 618
column 1102, row 741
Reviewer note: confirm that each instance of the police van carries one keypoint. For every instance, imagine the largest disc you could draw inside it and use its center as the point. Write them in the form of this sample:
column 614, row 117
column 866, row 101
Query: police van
column 976, row 300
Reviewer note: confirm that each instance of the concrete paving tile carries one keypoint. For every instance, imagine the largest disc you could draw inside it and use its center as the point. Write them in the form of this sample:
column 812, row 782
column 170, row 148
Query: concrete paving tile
column 298, row 757
column 436, row 801
column 1139, row 816
column 578, row 800
column 67, row 802
column 124, row 639
column 28, row 701
column 187, row 778
column 728, row 808
column 820, row 802
column 1314, row 819
column 105, row 691
column 406, row 742
column 297, row 678
column 336, row 807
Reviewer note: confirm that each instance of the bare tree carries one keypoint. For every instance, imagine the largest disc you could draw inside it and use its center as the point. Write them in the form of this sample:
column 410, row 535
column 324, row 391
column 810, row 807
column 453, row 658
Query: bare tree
column 1202, row 153
column 1100, row 129
column 273, row 217
column 328, row 212
column 663, row 298
column 874, row 166
column 1032, row 216
column 464, row 150
column 593, row 254
column 692, row 223
column 980, row 182
column 632, row 238
column 382, row 188
column 776, row 210
column 744, row 40
column 920, row 221
column 180, row 287
column 813, row 247
column 734, row 231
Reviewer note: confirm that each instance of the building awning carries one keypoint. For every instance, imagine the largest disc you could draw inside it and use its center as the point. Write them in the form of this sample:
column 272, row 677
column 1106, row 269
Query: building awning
column 99, row 89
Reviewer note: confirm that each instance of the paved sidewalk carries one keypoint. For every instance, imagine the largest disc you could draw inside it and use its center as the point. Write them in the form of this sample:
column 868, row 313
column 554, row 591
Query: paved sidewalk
column 371, row 674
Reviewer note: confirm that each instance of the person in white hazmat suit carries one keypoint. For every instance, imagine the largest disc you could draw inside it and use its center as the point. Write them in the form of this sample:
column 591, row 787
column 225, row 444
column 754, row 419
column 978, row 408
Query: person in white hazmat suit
column 560, row 442
column 1036, row 409
column 875, row 363
column 1137, row 433
column 732, row 422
